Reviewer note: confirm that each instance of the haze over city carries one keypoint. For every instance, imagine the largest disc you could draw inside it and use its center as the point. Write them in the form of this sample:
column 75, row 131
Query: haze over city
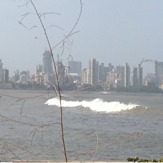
column 113, row 31
column 97, row 96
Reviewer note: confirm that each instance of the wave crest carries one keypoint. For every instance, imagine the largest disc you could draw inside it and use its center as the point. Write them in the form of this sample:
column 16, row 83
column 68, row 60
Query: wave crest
column 97, row 105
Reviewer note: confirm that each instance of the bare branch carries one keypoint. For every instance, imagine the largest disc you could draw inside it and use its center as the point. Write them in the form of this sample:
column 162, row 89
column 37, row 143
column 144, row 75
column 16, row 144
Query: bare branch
column 34, row 131
column 71, row 31
column 22, row 108
column 48, row 13
column 27, row 2
column 54, row 26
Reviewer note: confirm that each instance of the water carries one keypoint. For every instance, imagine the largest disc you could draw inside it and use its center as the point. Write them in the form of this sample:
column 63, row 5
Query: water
column 97, row 126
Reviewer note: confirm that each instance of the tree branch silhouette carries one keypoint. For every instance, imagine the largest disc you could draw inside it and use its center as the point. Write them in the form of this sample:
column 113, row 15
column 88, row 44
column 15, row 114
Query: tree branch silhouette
column 55, row 67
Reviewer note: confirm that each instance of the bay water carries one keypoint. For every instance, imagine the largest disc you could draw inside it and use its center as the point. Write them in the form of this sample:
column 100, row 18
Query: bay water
column 98, row 126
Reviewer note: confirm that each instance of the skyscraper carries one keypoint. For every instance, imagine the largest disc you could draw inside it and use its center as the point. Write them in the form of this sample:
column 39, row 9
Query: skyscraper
column 158, row 73
column 47, row 63
column 75, row 67
column 126, row 76
column 1, row 68
column 93, row 72
column 85, row 76
column 5, row 76
column 137, row 77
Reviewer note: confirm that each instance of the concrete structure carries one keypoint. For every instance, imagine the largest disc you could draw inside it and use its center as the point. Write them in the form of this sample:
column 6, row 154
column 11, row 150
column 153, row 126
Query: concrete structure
column 137, row 77
column 38, row 75
column 75, row 67
column 1, row 68
column 93, row 72
column 126, row 76
column 120, row 76
column 5, row 76
column 47, row 67
column 85, row 76
column 103, row 73
column 112, row 79
column 74, row 70
column 158, row 73
column 60, row 68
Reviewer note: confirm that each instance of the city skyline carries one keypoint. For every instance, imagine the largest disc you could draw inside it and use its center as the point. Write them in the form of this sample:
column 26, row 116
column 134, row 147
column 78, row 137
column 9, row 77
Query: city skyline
column 112, row 31
column 142, row 63
column 71, row 76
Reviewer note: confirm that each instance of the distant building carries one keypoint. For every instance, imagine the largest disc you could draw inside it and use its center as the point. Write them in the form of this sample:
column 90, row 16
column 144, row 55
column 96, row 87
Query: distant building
column 60, row 68
column 126, row 76
column 137, row 77
column 5, row 76
column 103, row 73
column 75, row 67
column 120, row 76
column 1, row 68
column 24, row 78
column 158, row 73
column 1, row 65
column 93, row 72
column 149, row 79
column 38, row 75
column 112, row 79
column 15, row 77
column 47, row 67
column 85, row 76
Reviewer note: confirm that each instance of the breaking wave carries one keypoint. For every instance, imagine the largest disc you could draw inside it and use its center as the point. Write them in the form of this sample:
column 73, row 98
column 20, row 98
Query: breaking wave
column 97, row 105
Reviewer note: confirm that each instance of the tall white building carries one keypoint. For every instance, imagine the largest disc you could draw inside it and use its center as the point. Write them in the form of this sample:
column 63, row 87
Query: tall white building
column 93, row 72
column 85, row 76
column 5, row 75
column 38, row 74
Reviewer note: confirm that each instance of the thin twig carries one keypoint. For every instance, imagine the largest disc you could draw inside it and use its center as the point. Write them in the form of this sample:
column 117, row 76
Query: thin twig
column 22, row 107
column 72, row 30
column 57, row 78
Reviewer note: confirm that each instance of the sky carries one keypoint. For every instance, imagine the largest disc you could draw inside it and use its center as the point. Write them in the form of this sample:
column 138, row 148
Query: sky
column 112, row 31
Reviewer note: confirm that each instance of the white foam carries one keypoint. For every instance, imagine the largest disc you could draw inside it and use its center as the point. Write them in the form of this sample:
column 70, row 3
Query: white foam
column 97, row 105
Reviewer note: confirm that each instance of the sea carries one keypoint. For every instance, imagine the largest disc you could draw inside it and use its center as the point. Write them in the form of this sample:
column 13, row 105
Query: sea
column 98, row 126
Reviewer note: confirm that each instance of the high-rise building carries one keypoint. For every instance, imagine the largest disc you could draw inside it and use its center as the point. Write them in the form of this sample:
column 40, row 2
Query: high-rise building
column 47, row 63
column 159, row 73
column 5, row 76
column 15, row 76
column 60, row 68
column 38, row 75
column 137, row 77
column 126, row 76
column 85, row 76
column 103, row 73
column 1, row 68
column 75, row 67
column 93, row 72
column 112, row 79
column 74, row 71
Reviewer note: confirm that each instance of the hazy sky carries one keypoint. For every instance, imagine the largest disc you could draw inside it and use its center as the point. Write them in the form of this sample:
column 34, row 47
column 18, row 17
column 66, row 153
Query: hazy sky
column 112, row 31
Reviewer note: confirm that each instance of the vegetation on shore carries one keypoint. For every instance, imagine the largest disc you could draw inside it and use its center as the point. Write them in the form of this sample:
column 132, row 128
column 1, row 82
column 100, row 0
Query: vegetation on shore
column 137, row 159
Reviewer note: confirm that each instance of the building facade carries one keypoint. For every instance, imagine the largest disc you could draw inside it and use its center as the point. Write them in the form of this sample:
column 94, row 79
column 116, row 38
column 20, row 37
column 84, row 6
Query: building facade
column 158, row 73
column 126, row 76
column 47, row 67
column 93, row 72
column 137, row 77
